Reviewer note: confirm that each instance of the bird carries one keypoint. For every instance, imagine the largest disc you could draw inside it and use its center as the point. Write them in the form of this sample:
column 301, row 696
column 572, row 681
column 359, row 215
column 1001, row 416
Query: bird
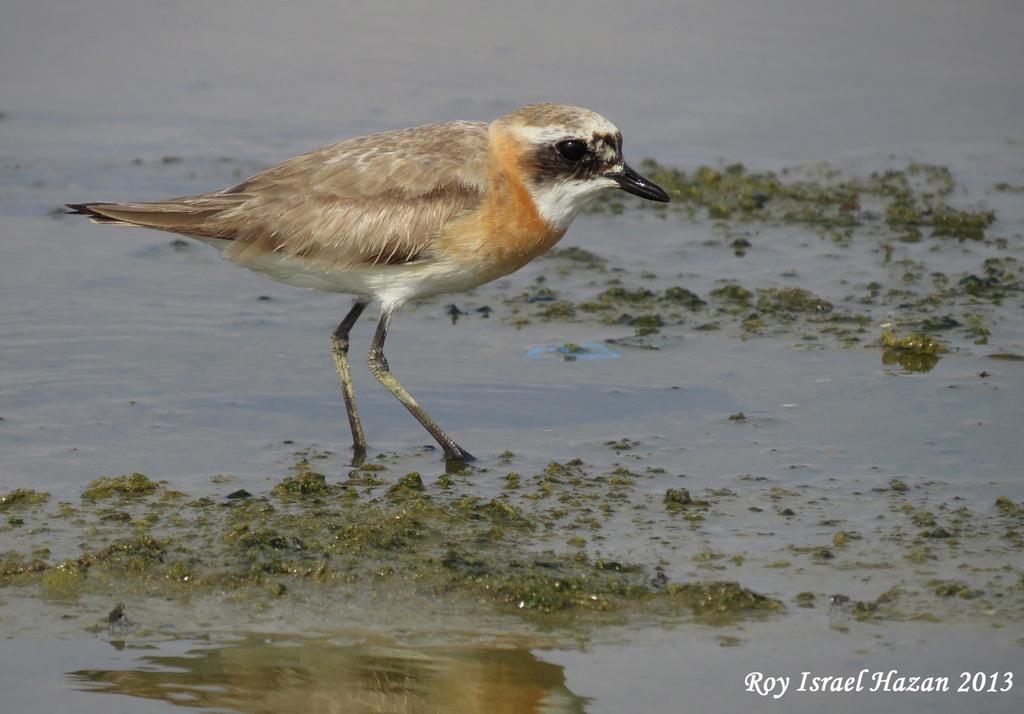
column 404, row 214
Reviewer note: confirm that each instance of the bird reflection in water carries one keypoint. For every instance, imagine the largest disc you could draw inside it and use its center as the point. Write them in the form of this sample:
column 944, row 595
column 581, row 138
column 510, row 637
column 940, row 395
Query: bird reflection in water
column 287, row 675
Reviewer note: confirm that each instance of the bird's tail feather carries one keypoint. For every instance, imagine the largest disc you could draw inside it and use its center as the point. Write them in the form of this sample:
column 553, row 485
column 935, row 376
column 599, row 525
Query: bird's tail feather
column 191, row 215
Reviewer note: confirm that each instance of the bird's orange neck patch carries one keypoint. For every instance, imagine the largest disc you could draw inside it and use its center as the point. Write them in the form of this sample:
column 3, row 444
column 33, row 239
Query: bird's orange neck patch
column 509, row 192
column 507, row 231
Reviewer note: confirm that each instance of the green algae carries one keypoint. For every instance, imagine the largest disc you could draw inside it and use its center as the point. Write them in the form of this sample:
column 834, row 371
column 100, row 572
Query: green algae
column 842, row 538
column 955, row 588
column 920, row 555
column 622, row 444
column 64, row 580
column 962, row 225
column 408, row 486
column 676, row 498
column 884, row 210
column 1006, row 356
column 539, row 550
column 805, row 599
column 990, row 287
column 113, row 514
column 571, row 351
column 684, row 297
column 903, row 214
column 721, row 192
column 1005, row 187
column 503, row 514
column 915, row 195
column 623, row 295
column 137, row 554
column 646, row 324
column 773, row 300
column 733, row 293
column 559, row 310
column 720, row 601
column 679, row 501
column 441, row 538
column 578, row 255
column 551, row 584
column 13, row 563
column 914, row 342
column 303, row 483
column 1006, row 507
column 136, row 484
column 915, row 352
column 20, row 497
column 179, row 571
column 939, row 324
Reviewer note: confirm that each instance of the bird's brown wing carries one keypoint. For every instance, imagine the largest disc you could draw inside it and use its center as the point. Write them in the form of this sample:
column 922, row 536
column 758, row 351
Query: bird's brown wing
column 373, row 200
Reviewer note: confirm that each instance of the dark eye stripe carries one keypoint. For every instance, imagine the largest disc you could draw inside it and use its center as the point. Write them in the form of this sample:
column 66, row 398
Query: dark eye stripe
column 550, row 164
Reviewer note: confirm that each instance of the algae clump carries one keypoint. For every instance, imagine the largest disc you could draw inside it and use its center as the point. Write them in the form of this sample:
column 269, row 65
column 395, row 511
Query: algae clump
column 963, row 225
column 580, row 255
column 1007, row 507
column 303, row 483
column 135, row 554
column 620, row 294
column 915, row 342
column 774, row 300
column 953, row 588
column 646, row 324
column 14, row 563
column 916, row 352
column 135, row 484
column 410, row 485
column 684, row 297
column 559, row 310
column 22, row 497
column 63, row 580
column 718, row 599
column 733, row 293
column 677, row 498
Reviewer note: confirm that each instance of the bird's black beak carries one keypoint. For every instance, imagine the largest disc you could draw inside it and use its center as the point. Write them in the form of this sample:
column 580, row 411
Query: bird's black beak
column 632, row 182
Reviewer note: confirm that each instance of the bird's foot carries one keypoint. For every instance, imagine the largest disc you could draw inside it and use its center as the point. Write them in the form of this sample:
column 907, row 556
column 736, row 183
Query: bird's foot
column 358, row 455
column 458, row 454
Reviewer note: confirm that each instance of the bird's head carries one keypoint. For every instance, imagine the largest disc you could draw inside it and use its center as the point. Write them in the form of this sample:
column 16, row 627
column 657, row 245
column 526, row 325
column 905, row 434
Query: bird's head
column 567, row 156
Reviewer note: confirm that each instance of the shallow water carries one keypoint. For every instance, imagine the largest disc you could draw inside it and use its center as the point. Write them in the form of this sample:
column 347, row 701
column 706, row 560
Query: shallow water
column 124, row 351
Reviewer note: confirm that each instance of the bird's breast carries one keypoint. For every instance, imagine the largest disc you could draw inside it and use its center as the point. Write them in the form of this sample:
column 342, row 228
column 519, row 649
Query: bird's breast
column 506, row 231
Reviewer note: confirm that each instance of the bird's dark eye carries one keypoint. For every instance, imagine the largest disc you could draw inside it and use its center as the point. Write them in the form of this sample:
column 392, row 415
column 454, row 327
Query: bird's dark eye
column 572, row 149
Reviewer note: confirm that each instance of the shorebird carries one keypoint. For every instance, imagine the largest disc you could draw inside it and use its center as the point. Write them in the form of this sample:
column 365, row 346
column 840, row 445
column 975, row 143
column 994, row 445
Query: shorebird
column 403, row 214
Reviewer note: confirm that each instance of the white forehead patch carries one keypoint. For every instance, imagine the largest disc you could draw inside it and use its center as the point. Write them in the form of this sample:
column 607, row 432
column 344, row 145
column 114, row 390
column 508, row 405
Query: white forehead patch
column 560, row 202
column 583, row 129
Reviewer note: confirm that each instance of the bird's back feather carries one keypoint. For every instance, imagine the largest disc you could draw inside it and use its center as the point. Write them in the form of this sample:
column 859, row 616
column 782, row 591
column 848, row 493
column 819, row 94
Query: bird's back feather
column 378, row 199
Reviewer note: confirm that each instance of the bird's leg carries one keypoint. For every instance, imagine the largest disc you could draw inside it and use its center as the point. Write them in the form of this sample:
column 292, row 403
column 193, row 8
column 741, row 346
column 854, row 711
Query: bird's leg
column 339, row 349
column 379, row 366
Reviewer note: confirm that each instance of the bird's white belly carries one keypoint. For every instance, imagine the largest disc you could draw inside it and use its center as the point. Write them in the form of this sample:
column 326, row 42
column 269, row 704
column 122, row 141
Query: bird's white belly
column 391, row 285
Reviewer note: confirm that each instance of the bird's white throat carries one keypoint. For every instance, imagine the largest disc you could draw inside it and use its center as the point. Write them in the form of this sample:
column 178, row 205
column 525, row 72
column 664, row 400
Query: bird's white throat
column 560, row 202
